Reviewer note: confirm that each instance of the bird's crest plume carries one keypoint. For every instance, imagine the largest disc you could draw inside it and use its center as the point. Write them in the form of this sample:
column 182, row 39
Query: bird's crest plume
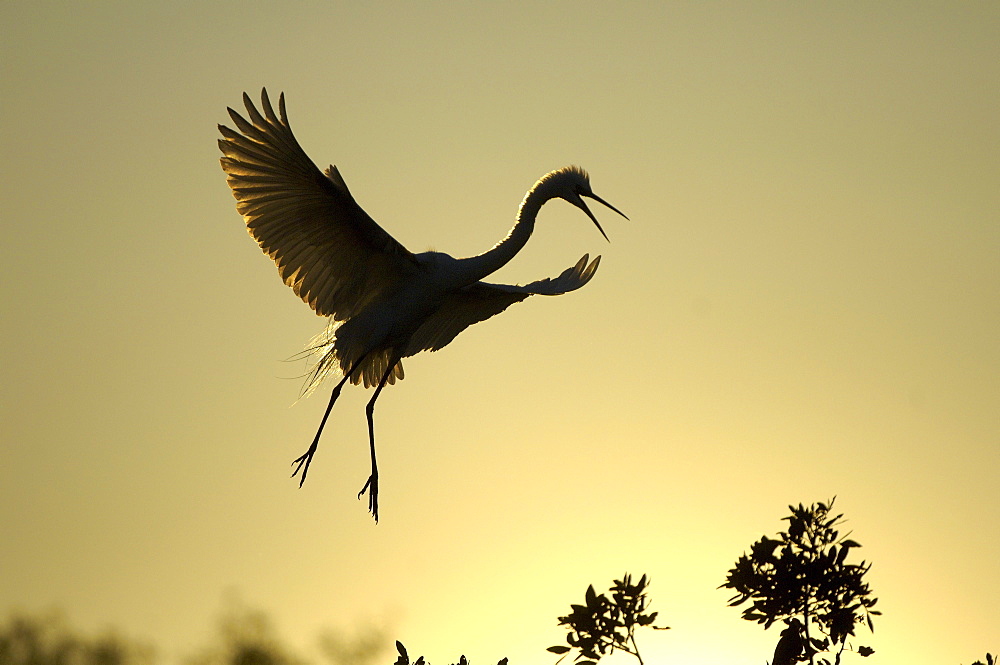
column 562, row 173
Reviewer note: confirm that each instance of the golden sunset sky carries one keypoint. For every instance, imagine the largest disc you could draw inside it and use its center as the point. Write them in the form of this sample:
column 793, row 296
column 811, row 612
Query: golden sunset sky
column 805, row 303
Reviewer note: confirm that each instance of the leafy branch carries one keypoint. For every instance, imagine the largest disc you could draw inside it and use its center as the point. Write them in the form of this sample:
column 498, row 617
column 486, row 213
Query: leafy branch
column 989, row 660
column 404, row 658
column 602, row 624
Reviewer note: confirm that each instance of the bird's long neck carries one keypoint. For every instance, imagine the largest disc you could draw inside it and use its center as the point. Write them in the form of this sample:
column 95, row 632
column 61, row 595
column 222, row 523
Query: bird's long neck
column 476, row 268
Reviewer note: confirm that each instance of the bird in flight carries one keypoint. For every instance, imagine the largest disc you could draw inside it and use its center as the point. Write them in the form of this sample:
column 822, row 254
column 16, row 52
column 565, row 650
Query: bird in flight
column 384, row 303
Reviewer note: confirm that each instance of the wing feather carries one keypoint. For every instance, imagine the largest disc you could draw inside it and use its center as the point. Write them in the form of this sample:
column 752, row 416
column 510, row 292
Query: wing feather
column 480, row 301
column 326, row 247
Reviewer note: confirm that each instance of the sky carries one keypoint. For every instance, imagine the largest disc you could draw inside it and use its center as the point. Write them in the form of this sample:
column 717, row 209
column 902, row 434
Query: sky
column 804, row 304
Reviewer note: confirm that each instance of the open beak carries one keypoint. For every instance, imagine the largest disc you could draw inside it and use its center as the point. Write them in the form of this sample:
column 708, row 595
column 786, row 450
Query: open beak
column 583, row 206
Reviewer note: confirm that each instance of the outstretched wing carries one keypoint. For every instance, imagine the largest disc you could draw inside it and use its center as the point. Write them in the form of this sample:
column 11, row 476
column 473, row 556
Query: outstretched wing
column 478, row 302
column 333, row 255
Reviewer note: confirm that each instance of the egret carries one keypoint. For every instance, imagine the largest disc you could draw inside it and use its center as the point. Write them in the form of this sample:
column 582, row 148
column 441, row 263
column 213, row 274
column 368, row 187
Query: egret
column 383, row 302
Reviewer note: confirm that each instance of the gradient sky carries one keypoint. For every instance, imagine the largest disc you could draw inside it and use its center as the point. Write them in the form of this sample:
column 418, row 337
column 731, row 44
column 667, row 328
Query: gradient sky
column 805, row 303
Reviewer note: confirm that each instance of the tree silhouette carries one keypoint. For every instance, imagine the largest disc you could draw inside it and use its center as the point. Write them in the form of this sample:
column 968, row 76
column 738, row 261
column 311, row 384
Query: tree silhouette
column 245, row 637
column 803, row 579
column 800, row 578
column 48, row 640
column 364, row 646
column 601, row 625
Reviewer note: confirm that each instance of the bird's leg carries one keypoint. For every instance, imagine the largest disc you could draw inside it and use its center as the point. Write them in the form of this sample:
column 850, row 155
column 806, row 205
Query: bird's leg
column 302, row 462
column 371, row 485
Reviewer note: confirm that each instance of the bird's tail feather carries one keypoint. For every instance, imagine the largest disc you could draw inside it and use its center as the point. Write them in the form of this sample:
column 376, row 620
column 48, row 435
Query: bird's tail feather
column 322, row 358
column 325, row 360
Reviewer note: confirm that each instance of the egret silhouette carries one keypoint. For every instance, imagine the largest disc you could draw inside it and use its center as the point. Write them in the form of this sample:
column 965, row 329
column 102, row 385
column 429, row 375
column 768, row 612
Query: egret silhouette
column 384, row 302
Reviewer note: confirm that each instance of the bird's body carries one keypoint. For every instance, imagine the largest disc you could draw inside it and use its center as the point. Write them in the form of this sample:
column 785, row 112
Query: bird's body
column 384, row 302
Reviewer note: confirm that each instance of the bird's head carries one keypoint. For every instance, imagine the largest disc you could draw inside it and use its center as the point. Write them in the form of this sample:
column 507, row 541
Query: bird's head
column 573, row 184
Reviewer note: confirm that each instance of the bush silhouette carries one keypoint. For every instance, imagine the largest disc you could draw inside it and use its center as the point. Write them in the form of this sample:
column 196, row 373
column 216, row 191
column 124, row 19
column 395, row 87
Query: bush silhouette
column 989, row 660
column 803, row 579
column 602, row 625
column 404, row 658
column 48, row 640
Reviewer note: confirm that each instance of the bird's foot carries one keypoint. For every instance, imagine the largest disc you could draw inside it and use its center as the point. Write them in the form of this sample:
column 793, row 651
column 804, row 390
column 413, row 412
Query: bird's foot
column 302, row 463
column 371, row 486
